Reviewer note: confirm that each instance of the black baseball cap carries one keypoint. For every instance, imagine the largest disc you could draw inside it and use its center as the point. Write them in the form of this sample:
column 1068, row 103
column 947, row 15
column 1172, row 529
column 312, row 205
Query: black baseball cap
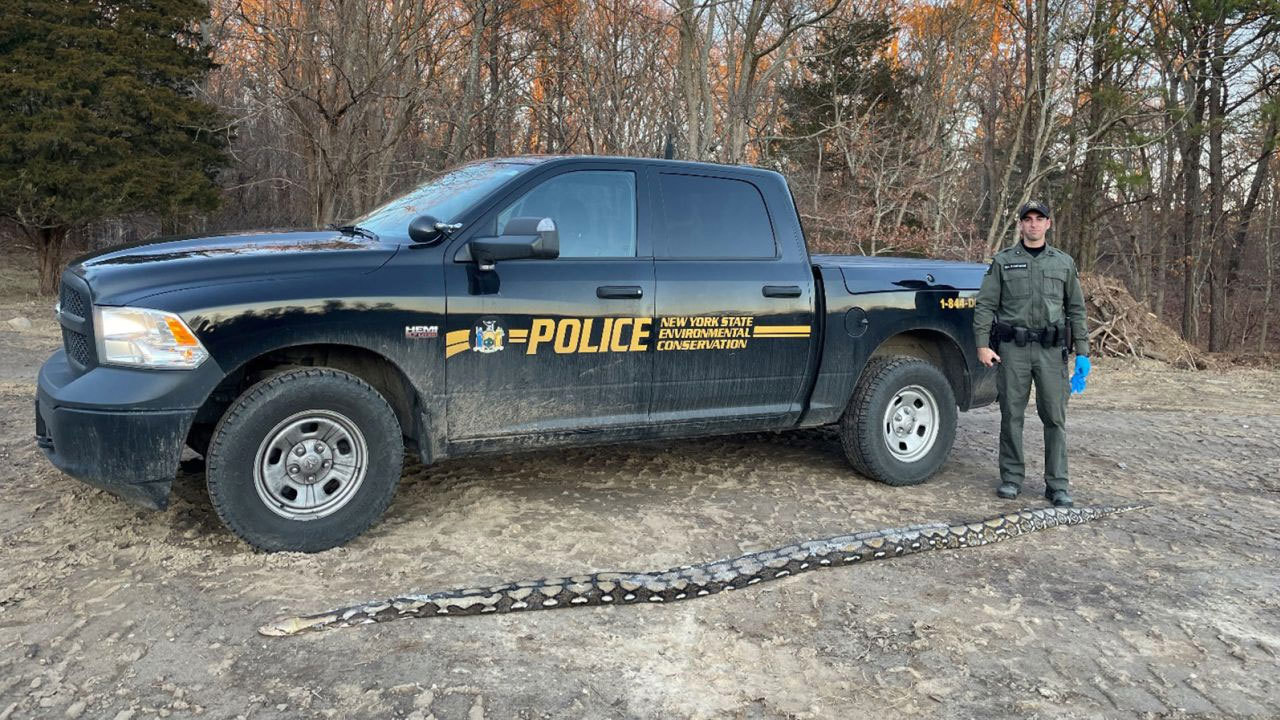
column 1035, row 205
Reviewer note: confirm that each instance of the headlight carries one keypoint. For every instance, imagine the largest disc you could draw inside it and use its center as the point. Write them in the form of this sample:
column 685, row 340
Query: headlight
column 145, row 338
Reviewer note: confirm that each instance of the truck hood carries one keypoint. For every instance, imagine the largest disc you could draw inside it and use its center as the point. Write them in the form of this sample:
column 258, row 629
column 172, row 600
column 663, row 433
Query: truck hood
column 864, row 274
column 126, row 274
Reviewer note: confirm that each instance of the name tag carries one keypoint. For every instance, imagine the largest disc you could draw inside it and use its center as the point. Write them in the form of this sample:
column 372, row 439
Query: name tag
column 1015, row 266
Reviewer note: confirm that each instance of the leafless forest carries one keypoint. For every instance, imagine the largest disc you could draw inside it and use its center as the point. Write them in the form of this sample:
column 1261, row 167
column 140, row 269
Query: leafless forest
column 907, row 127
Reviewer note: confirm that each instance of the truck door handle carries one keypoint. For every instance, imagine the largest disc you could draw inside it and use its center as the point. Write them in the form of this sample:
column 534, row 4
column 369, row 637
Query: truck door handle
column 782, row 291
column 620, row 292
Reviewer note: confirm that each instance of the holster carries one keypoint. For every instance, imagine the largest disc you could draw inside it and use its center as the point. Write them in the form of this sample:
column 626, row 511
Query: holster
column 1052, row 335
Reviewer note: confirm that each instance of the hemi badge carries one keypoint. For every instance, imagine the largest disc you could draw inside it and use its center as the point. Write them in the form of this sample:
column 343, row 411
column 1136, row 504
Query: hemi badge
column 421, row 332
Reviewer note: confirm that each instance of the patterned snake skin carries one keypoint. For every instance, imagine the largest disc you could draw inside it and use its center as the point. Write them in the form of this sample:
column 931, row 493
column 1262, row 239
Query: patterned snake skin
column 692, row 581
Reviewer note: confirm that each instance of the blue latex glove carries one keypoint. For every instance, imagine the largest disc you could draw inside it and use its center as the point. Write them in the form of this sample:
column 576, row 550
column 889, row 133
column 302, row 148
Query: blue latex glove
column 1083, row 366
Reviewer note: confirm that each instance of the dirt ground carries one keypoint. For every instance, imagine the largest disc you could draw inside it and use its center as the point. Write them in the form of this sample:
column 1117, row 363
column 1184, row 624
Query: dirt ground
column 107, row 611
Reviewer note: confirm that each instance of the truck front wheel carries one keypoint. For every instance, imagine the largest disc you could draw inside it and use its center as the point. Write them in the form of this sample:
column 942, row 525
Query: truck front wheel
column 304, row 460
column 901, row 421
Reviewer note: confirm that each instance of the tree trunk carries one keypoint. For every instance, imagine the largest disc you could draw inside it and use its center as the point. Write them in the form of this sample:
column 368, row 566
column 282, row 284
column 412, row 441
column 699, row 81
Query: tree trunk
column 689, row 80
column 1086, row 249
column 495, row 88
column 1150, row 236
column 708, row 97
column 49, row 242
column 1218, row 337
column 986, row 207
column 1167, row 189
column 741, row 85
column 1190, row 238
column 1035, row 83
column 1086, row 206
column 460, row 131
column 1268, row 252
column 1190, row 142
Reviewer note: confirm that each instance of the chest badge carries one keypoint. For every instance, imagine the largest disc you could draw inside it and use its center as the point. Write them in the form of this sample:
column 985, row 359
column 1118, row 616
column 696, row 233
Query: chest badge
column 1015, row 266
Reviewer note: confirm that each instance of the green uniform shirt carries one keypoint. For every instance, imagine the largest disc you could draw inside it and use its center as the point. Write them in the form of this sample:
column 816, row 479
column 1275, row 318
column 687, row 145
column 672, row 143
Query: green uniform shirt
column 1034, row 292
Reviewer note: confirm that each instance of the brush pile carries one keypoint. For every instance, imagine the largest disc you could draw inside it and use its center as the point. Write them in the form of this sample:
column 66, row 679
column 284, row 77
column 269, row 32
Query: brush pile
column 1120, row 326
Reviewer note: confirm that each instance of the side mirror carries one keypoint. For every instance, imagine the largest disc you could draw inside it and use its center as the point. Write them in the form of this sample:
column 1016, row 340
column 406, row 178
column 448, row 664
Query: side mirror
column 425, row 230
column 523, row 237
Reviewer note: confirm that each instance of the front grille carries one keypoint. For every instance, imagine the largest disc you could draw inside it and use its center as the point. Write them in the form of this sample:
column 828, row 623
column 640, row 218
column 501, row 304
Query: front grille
column 77, row 346
column 75, row 314
column 73, row 302
column 75, row 306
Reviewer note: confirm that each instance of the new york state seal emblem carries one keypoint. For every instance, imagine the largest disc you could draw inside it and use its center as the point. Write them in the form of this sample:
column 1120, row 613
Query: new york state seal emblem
column 490, row 336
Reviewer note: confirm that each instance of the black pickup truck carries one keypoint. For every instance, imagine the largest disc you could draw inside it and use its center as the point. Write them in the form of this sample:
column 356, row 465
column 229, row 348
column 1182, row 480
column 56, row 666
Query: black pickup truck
column 508, row 304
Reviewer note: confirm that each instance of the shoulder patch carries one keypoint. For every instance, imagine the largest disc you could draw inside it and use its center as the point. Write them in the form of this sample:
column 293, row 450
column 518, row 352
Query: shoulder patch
column 1015, row 266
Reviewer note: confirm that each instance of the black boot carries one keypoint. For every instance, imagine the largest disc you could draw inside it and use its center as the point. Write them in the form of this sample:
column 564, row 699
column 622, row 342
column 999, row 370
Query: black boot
column 1059, row 498
column 1008, row 490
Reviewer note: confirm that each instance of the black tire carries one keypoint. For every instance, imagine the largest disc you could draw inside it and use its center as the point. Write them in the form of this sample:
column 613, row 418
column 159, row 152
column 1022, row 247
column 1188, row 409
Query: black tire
column 357, row 414
column 866, row 428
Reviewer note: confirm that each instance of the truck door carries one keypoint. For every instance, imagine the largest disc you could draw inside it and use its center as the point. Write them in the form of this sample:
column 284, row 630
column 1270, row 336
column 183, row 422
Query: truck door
column 734, row 315
column 556, row 345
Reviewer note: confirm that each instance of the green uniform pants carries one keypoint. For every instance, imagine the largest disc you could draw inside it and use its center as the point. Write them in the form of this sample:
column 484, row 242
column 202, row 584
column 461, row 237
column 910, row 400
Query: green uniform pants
column 1019, row 367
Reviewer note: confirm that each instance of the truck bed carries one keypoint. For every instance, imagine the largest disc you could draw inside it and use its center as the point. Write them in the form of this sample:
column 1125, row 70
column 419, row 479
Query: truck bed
column 864, row 274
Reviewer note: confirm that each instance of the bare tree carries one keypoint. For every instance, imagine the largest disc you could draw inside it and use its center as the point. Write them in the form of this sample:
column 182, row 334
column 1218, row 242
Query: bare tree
column 696, row 25
column 348, row 78
column 758, row 35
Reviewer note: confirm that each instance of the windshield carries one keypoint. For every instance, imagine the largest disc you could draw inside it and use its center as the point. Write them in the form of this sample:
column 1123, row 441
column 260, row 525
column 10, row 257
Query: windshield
column 444, row 197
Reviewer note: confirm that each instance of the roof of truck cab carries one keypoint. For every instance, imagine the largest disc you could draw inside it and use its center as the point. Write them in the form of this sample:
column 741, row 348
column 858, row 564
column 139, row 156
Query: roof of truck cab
column 687, row 165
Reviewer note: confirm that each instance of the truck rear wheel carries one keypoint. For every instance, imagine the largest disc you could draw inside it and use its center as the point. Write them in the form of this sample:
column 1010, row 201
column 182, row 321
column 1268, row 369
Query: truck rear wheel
column 304, row 460
column 901, row 421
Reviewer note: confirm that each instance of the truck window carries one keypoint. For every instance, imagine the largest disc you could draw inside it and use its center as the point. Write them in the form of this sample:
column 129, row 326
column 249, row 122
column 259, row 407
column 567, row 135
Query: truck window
column 594, row 210
column 446, row 197
column 709, row 217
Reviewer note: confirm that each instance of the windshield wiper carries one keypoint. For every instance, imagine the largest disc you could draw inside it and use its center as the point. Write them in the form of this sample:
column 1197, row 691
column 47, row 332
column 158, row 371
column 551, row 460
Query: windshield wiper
column 353, row 230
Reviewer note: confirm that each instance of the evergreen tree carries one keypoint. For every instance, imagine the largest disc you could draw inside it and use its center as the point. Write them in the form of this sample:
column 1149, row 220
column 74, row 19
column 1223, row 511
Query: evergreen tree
column 98, row 116
column 846, row 75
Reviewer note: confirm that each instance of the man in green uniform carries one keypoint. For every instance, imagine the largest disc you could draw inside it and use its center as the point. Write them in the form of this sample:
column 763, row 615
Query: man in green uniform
column 1029, row 313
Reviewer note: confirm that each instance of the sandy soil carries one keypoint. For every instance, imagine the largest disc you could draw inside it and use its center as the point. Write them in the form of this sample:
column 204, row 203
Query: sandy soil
column 107, row 611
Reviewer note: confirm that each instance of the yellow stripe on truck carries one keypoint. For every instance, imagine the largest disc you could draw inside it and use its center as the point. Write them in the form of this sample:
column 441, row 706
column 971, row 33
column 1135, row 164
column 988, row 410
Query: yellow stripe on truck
column 781, row 331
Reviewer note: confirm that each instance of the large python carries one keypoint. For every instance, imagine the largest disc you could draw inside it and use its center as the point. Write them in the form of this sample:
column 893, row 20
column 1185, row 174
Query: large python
column 693, row 581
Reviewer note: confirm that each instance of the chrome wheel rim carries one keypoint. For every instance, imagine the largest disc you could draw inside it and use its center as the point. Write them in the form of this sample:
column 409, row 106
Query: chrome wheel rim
column 910, row 426
column 310, row 465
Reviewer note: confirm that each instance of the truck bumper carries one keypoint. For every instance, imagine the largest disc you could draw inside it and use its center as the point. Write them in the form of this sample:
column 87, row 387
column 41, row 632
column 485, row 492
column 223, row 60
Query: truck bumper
column 129, row 441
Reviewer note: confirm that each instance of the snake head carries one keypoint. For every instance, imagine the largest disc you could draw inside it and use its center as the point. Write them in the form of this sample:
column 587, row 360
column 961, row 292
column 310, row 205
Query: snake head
column 296, row 625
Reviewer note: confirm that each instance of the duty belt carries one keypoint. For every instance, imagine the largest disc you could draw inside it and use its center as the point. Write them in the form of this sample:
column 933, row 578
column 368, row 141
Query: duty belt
column 1049, row 337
